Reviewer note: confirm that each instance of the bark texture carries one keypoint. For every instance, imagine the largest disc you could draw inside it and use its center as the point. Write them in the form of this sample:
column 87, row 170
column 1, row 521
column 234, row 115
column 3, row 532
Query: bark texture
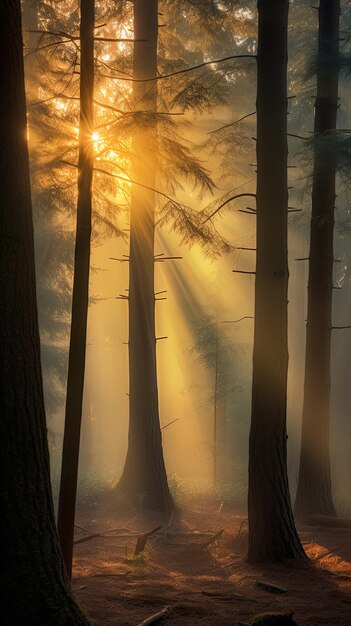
column 80, row 297
column 314, row 493
column 272, row 533
column 34, row 588
column 144, row 480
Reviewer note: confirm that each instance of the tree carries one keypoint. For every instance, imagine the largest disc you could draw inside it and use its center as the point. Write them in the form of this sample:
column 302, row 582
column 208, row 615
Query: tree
column 217, row 352
column 272, row 533
column 53, row 293
column 80, row 297
column 159, row 153
column 144, row 475
column 314, row 492
column 35, row 588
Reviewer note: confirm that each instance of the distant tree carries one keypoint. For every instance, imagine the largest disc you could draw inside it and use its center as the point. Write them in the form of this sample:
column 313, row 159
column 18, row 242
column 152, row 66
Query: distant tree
column 34, row 586
column 314, row 492
column 217, row 353
column 80, row 296
column 272, row 533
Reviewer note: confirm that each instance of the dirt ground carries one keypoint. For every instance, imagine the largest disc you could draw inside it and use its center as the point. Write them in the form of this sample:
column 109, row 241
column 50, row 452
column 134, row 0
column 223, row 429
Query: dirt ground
column 205, row 585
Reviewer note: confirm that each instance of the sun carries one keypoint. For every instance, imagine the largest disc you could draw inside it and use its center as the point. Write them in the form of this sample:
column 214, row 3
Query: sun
column 95, row 136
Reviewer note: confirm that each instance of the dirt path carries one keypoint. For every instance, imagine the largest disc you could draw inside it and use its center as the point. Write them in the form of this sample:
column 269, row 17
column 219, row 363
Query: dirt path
column 213, row 585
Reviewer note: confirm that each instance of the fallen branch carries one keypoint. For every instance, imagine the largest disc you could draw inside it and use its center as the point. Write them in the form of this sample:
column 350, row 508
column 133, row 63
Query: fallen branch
column 212, row 539
column 82, row 528
column 322, row 556
column 142, row 541
column 270, row 587
column 120, row 575
column 100, row 534
column 235, row 596
column 240, row 528
column 156, row 617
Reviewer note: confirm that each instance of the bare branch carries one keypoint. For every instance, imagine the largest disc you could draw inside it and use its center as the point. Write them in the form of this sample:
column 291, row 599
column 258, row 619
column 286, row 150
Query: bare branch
column 188, row 69
column 246, row 317
column 340, row 327
column 240, row 195
column 217, row 130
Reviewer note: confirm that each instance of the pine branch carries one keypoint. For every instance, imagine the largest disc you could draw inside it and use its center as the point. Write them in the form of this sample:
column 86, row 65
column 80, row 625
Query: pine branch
column 128, row 180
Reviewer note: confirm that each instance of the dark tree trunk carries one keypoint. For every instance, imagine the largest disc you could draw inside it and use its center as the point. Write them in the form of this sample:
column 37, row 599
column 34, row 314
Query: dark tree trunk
column 314, row 493
column 144, row 479
column 272, row 534
column 80, row 297
column 34, row 586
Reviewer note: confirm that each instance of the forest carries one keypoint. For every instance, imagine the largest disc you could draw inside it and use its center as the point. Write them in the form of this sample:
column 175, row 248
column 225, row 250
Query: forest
column 175, row 312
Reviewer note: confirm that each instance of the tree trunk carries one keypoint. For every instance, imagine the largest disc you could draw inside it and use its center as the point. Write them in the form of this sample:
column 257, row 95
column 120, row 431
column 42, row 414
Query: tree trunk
column 34, row 586
column 272, row 534
column 80, row 297
column 221, row 448
column 144, row 480
column 314, row 493
column 31, row 23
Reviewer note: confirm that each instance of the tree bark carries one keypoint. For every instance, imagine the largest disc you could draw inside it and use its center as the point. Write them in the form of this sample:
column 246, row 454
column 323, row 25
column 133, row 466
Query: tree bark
column 272, row 533
column 314, row 493
column 80, row 297
column 34, row 586
column 144, row 480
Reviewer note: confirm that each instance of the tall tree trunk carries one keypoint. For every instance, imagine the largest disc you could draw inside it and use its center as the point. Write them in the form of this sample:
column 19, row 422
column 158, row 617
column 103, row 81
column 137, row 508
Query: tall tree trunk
column 314, row 493
column 31, row 23
column 144, row 479
column 34, row 586
column 80, row 298
column 272, row 534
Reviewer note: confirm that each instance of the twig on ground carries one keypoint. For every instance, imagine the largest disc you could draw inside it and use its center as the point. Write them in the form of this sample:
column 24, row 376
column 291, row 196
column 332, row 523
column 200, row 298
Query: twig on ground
column 235, row 596
column 100, row 534
column 142, row 540
column 106, row 575
column 156, row 617
column 212, row 539
column 82, row 528
column 240, row 528
column 270, row 587
column 322, row 556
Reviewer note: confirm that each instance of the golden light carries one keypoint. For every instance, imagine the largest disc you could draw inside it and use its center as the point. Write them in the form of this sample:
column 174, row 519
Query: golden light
column 95, row 136
column 60, row 105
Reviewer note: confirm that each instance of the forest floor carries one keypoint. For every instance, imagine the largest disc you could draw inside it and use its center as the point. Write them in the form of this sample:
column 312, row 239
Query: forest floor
column 205, row 585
